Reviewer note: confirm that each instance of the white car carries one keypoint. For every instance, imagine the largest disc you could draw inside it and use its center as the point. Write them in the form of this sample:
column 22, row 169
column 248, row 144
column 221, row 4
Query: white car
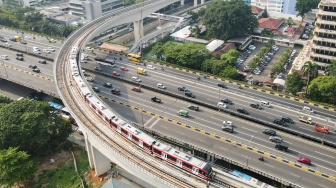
column 7, row 44
column 221, row 105
column 36, row 51
column 306, row 108
column 88, row 48
column 5, row 57
column 89, row 79
column 51, row 49
column 275, row 47
column 46, row 51
column 161, row 86
column 265, row 103
column 227, row 123
column 137, row 79
column 151, row 67
column 36, row 48
column 27, row 37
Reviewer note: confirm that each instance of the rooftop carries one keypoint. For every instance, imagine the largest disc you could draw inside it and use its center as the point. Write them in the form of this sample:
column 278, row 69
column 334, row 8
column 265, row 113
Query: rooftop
column 213, row 45
column 256, row 10
column 270, row 23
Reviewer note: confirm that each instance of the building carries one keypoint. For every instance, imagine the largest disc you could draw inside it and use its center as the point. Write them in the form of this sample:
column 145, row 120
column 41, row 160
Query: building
column 257, row 11
column 269, row 24
column 247, row 2
column 323, row 49
column 92, row 9
column 282, row 6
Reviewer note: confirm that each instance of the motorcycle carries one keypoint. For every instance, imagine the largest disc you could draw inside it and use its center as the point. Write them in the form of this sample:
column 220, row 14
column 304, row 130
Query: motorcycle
column 261, row 158
column 198, row 78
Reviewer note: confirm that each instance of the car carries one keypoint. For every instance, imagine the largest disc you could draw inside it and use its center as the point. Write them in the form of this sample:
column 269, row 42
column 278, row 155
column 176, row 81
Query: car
column 287, row 119
column 182, row 88
column 303, row 160
column 115, row 91
column 151, row 67
column 279, row 122
column 136, row 79
column 193, row 107
column 228, row 128
column 155, row 99
column 36, row 70
column 255, row 105
column 51, row 49
column 32, row 66
column 161, row 86
column 46, row 51
column 269, row 132
column 189, row 94
column 279, row 75
column 96, row 89
column 275, row 47
column 184, row 113
column 108, row 85
column 42, row 61
column 3, row 40
column 228, row 123
column 246, row 70
column 36, row 48
column 276, row 139
column 221, row 105
column 99, row 43
column 19, row 58
column 222, row 85
column 88, row 49
column 52, row 41
column 36, row 51
column 115, row 73
column 123, row 68
column 98, row 69
column 265, row 103
column 5, row 57
column 19, row 54
column 227, row 101
column 89, row 79
column 308, row 109
column 23, row 42
column 243, row 111
column 137, row 89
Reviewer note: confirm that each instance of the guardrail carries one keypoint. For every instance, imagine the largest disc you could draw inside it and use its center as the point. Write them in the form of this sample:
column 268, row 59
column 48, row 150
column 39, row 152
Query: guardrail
column 233, row 113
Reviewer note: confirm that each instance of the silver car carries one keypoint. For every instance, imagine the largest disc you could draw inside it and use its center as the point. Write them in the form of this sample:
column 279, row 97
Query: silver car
column 276, row 139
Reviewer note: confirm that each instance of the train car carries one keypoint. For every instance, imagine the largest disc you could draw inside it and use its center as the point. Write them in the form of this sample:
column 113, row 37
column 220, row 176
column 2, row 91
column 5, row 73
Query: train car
column 183, row 160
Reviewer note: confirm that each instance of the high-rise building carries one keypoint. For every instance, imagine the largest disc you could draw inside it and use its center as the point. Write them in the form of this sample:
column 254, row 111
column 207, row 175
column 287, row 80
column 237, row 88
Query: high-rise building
column 323, row 49
column 282, row 6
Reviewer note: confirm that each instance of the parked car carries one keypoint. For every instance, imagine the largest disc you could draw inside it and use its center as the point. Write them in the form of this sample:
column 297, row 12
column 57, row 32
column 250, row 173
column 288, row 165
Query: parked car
column 276, row 139
column 269, row 132
column 303, row 160
column 243, row 111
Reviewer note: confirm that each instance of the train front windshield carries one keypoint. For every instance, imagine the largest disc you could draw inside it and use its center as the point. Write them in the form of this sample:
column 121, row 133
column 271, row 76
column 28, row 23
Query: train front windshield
column 208, row 169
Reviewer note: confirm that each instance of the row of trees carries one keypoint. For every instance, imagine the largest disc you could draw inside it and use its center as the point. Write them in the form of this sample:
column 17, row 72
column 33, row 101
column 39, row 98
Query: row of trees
column 278, row 66
column 27, row 129
column 261, row 54
column 196, row 56
column 29, row 20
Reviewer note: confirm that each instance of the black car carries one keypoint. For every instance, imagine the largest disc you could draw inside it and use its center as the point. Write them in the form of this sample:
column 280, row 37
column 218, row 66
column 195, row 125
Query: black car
column 279, row 122
column 193, row 107
column 222, row 85
column 227, row 101
column 155, row 99
column 189, row 94
column 182, row 88
column 269, row 132
column 255, row 105
column 36, row 70
column 287, row 119
column 19, row 58
column 242, row 110
column 32, row 66
column 115, row 91
column 96, row 89
column 42, row 61
column 19, row 54
column 109, row 85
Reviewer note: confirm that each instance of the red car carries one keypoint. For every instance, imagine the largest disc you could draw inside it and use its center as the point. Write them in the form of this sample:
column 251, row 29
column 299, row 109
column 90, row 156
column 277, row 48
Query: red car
column 137, row 89
column 304, row 160
column 246, row 70
column 114, row 73
column 123, row 68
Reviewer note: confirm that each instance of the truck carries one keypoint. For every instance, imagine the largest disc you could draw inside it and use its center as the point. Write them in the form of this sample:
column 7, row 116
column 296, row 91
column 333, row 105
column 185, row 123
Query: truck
column 141, row 71
column 281, row 146
column 321, row 128
column 305, row 119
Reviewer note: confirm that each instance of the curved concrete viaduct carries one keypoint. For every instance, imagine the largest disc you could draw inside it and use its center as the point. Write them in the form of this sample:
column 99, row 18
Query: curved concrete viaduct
column 102, row 143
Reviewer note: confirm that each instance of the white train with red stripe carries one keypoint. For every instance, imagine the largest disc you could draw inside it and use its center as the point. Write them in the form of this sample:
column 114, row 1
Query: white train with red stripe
column 147, row 143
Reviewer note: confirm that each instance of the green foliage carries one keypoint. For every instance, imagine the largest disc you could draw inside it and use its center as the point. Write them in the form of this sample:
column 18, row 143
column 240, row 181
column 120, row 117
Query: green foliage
column 310, row 70
column 27, row 19
column 195, row 30
column 15, row 166
column 4, row 100
column 229, row 72
column 158, row 50
column 31, row 126
column 290, row 21
column 305, row 6
column 331, row 69
column 277, row 67
column 231, row 57
column 267, row 33
column 323, row 89
column 264, row 14
column 228, row 19
column 294, row 83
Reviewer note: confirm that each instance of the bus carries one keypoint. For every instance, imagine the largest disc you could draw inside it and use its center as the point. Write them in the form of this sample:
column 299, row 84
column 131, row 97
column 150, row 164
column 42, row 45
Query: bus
column 134, row 57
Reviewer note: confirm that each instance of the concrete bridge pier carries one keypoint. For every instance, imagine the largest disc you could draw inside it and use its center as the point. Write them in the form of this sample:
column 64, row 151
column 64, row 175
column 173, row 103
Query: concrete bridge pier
column 195, row 3
column 138, row 30
column 182, row 2
column 97, row 160
column 202, row 2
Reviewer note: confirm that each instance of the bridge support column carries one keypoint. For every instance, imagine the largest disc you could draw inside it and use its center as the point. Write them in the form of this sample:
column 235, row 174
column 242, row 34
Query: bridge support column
column 89, row 152
column 195, row 3
column 202, row 2
column 101, row 162
column 138, row 30
column 182, row 2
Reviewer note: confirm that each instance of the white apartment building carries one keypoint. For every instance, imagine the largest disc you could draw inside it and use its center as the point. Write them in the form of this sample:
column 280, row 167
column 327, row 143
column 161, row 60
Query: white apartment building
column 92, row 9
column 281, row 6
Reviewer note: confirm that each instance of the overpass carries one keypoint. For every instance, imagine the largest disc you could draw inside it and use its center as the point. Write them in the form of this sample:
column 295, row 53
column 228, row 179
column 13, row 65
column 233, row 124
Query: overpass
column 103, row 144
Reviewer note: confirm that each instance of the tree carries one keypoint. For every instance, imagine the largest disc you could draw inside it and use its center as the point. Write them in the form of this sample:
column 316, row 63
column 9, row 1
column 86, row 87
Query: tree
column 305, row 6
column 310, row 70
column 294, row 83
column 231, row 56
column 228, row 19
column 264, row 14
column 331, row 69
column 289, row 21
column 158, row 50
column 229, row 72
column 277, row 68
column 32, row 126
column 195, row 30
column 15, row 166
column 4, row 100
column 323, row 89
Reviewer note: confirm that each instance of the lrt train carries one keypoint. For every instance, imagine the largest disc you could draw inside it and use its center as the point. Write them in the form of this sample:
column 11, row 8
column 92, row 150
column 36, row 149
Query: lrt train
column 145, row 142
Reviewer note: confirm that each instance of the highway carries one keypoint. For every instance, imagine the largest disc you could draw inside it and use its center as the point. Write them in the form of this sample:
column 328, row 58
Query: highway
column 274, row 167
column 210, row 120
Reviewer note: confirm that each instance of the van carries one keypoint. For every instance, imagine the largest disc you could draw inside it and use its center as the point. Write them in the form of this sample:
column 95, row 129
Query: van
column 306, row 108
column 5, row 57
column 183, row 113
column 265, row 103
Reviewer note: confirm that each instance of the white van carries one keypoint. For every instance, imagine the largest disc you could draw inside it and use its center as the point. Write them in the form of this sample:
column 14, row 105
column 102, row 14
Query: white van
column 5, row 57
column 306, row 108
column 265, row 103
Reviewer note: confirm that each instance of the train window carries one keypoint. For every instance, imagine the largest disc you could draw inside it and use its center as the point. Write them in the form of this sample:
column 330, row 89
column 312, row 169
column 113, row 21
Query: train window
column 157, row 151
column 124, row 131
column 136, row 139
column 187, row 165
column 171, row 158
column 107, row 119
column 147, row 146
column 114, row 125
column 93, row 106
column 202, row 172
column 100, row 113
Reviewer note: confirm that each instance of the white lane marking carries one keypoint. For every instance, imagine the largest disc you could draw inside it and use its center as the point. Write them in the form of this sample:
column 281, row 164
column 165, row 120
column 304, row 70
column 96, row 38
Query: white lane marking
column 324, row 154
column 149, row 121
column 154, row 123
column 295, row 175
column 269, row 165
column 129, row 114
column 250, row 129
column 223, row 148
